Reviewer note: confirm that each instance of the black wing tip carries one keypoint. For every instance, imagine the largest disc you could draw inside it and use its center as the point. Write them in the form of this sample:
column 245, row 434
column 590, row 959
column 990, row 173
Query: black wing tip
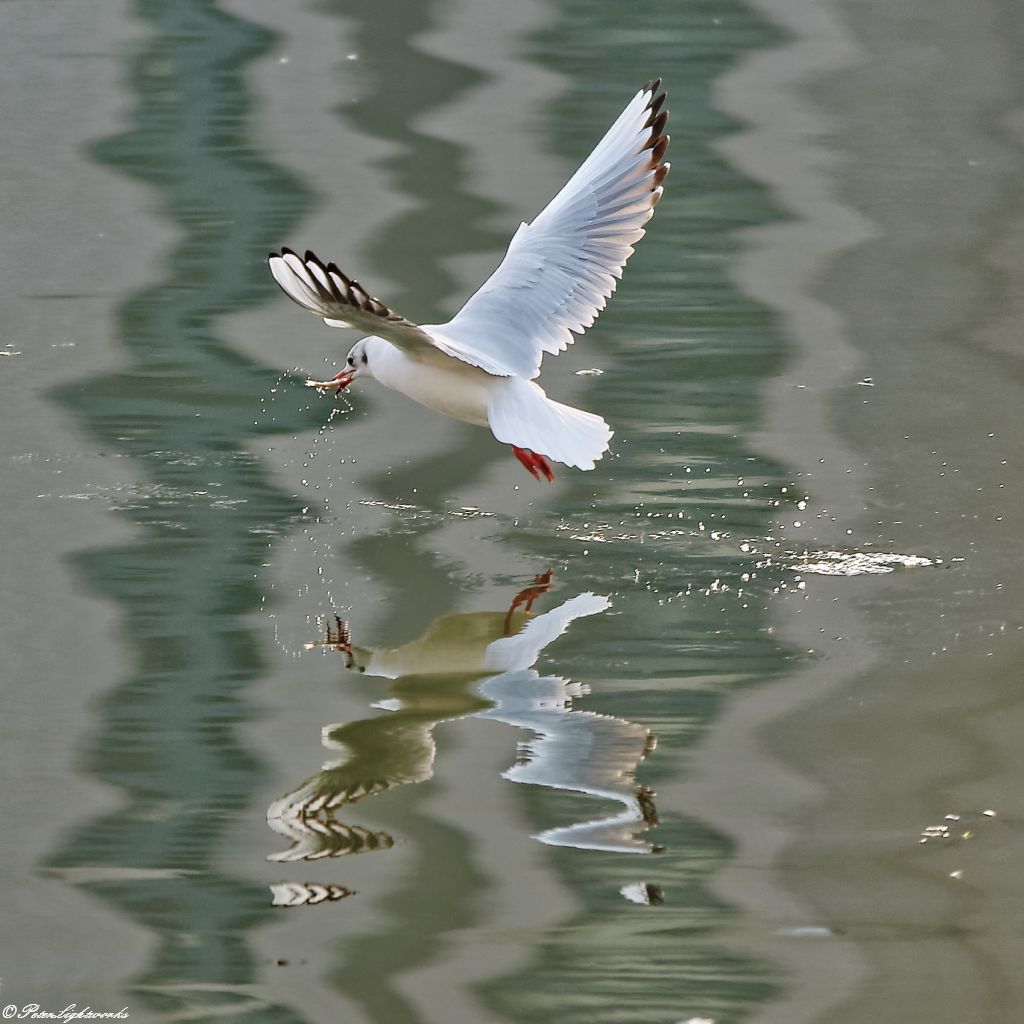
column 656, row 117
column 333, row 270
column 354, row 293
column 339, row 288
column 660, row 174
column 309, row 257
column 657, row 97
column 659, row 138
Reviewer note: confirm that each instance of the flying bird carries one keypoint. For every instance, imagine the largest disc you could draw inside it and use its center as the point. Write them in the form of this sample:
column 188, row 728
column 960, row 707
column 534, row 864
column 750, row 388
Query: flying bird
column 556, row 277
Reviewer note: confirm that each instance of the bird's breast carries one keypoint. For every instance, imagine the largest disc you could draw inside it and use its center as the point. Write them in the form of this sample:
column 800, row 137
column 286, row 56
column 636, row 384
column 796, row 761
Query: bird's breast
column 444, row 384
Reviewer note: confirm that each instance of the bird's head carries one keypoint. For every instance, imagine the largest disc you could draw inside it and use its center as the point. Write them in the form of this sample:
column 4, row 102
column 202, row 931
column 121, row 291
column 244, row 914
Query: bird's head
column 357, row 364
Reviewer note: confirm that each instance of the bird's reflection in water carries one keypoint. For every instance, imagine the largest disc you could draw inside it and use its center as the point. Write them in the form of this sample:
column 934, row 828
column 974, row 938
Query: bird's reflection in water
column 478, row 663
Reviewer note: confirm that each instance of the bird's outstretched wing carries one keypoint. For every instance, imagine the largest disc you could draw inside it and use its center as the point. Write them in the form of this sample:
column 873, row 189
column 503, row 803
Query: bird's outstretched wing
column 560, row 270
column 323, row 289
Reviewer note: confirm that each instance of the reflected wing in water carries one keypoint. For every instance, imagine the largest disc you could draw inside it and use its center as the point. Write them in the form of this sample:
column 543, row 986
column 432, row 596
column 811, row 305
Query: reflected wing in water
column 391, row 749
column 464, row 665
column 520, row 651
column 306, row 894
column 581, row 752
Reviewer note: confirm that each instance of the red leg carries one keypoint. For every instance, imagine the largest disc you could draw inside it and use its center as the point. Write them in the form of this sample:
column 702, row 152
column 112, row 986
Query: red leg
column 525, row 456
column 533, row 462
column 541, row 585
column 544, row 466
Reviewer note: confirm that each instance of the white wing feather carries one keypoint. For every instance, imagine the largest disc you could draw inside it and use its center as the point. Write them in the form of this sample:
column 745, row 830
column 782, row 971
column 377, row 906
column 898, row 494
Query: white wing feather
column 520, row 413
column 560, row 270
column 555, row 278
column 343, row 302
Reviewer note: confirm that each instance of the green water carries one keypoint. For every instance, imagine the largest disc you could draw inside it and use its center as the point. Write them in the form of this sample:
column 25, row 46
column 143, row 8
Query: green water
column 605, row 809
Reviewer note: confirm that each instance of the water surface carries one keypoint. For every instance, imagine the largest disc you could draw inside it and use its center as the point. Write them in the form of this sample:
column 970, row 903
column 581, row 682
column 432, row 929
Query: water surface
column 334, row 712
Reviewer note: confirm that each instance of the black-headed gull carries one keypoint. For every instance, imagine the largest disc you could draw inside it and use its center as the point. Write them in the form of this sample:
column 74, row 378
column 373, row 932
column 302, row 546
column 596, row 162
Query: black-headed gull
column 555, row 278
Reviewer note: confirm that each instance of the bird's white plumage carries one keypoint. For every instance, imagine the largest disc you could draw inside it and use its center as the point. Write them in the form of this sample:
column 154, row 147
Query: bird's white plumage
column 520, row 413
column 342, row 302
column 556, row 277
column 560, row 270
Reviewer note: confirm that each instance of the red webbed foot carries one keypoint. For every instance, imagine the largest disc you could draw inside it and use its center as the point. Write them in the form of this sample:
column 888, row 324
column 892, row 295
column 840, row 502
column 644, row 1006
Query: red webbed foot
column 534, row 462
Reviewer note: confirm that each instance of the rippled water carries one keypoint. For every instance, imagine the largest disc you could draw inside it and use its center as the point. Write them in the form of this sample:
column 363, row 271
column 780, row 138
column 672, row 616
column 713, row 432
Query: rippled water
column 323, row 710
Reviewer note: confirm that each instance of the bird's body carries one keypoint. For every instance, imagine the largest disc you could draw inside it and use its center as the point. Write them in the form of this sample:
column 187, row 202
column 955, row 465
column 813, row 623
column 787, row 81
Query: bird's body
column 554, row 280
column 439, row 382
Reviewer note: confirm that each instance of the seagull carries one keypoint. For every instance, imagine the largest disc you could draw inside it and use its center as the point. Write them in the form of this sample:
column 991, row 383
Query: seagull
column 556, row 277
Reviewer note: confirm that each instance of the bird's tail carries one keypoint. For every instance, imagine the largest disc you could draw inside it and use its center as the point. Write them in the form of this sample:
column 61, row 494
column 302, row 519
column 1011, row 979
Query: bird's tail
column 520, row 413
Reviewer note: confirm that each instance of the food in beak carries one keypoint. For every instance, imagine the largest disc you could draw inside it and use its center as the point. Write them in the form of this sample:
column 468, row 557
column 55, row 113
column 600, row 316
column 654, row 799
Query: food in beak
column 338, row 382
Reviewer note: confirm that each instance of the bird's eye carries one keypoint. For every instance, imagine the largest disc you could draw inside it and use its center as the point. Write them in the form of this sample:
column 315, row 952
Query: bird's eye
column 364, row 359
column 351, row 361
